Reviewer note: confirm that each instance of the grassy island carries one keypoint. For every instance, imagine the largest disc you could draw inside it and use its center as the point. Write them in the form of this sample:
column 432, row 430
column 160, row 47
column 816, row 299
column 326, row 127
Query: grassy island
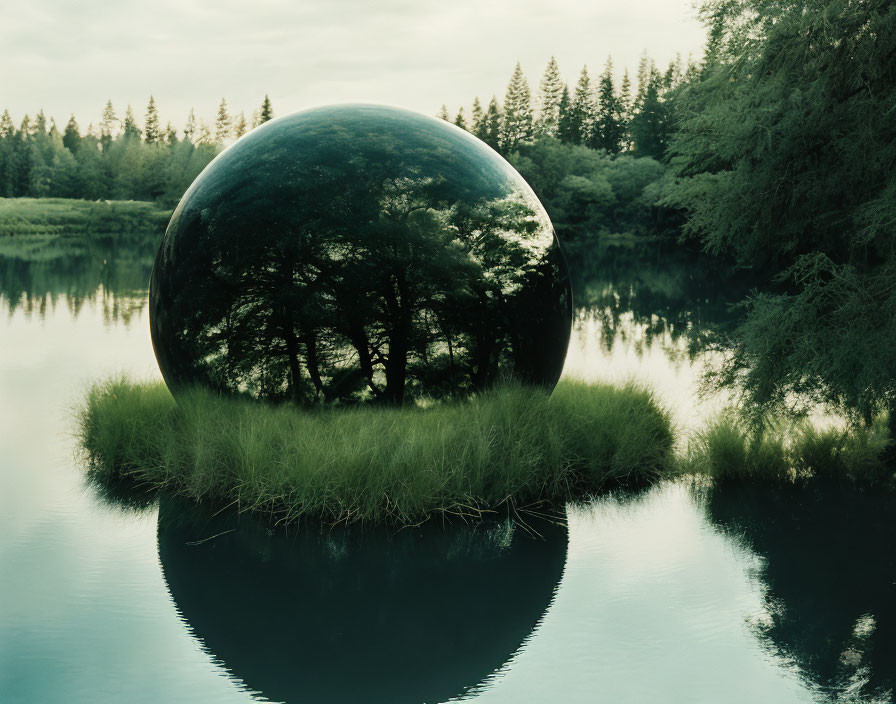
column 503, row 450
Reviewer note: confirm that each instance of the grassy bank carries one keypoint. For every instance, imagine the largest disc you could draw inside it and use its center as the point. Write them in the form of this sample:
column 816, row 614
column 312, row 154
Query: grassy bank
column 728, row 450
column 55, row 217
column 503, row 450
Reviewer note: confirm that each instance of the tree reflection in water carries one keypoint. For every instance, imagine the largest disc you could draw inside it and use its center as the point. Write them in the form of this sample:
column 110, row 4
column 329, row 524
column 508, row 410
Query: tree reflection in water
column 359, row 253
column 110, row 270
column 419, row 615
column 829, row 576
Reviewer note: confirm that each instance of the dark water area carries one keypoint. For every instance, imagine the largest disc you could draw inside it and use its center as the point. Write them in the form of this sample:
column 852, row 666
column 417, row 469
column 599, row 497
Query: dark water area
column 681, row 592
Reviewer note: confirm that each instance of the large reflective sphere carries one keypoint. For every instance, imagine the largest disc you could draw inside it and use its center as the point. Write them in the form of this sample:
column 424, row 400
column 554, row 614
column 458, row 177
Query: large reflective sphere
column 358, row 253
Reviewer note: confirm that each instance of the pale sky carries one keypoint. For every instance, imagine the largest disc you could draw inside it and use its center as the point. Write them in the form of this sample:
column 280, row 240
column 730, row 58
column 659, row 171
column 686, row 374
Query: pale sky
column 72, row 55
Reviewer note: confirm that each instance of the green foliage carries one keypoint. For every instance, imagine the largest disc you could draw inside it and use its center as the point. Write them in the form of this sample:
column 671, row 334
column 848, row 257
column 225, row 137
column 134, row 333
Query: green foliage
column 507, row 448
column 587, row 193
column 784, row 161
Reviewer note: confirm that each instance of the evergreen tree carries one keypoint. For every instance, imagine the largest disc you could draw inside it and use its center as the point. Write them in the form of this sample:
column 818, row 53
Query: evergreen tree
column 565, row 117
column 267, row 111
column 22, row 159
column 71, row 139
column 108, row 125
column 651, row 123
column 459, row 120
column 190, row 127
column 204, row 134
column 39, row 128
column 581, row 111
column 7, row 128
column 551, row 90
column 222, row 123
column 517, row 127
column 492, row 131
column 131, row 130
column 152, row 133
column 477, row 124
column 625, row 108
column 240, row 128
column 443, row 113
column 256, row 119
column 608, row 128
column 7, row 135
column 645, row 66
column 170, row 134
column 673, row 74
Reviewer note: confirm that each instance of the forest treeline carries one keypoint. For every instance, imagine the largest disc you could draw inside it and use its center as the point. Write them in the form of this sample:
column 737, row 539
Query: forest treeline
column 118, row 159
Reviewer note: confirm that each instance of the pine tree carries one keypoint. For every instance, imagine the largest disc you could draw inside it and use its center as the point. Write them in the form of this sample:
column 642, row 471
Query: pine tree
column 645, row 66
column 131, row 130
column 625, row 98
column 39, row 128
column 492, row 132
column 204, row 134
column 151, row 132
column 625, row 111
column 459, row 120
column 608, row 131
column 650, row 124
column 443, row 113
column 673, row 74
column 477, row 124
column 256, row 119
column 170, row 134
column 108, row 125
column 71, row 139
column 267, row 112
column 516, row 127
column 564, row 117
column 222, row 123
column 581, row 111
column 551, row 90
column 7, row 128
column 190, row 127
column 240, row 128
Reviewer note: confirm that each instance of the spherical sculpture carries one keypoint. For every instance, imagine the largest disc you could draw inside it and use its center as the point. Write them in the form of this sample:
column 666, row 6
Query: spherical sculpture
column 356, row 253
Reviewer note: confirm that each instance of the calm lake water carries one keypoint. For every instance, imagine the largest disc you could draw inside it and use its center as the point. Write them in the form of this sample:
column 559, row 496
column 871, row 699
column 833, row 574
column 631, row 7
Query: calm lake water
column 674, row 594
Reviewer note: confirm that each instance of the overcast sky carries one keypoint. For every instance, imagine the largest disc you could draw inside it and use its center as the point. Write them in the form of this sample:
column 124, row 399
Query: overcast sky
column 72, row 55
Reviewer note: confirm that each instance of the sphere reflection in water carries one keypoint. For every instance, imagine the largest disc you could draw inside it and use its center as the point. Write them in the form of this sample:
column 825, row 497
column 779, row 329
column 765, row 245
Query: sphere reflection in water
column 421, row 615
column 355, row 253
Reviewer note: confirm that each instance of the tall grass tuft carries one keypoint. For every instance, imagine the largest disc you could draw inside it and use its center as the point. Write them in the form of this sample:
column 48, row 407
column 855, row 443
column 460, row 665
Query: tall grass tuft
column 727, row 449
column 502, row 450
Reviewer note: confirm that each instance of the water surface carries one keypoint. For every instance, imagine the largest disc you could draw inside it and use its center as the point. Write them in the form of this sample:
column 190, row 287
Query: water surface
column 676, row 593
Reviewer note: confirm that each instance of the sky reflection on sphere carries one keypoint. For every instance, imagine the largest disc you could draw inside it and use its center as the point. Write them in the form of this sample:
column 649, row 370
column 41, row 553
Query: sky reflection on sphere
column 358, row 253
